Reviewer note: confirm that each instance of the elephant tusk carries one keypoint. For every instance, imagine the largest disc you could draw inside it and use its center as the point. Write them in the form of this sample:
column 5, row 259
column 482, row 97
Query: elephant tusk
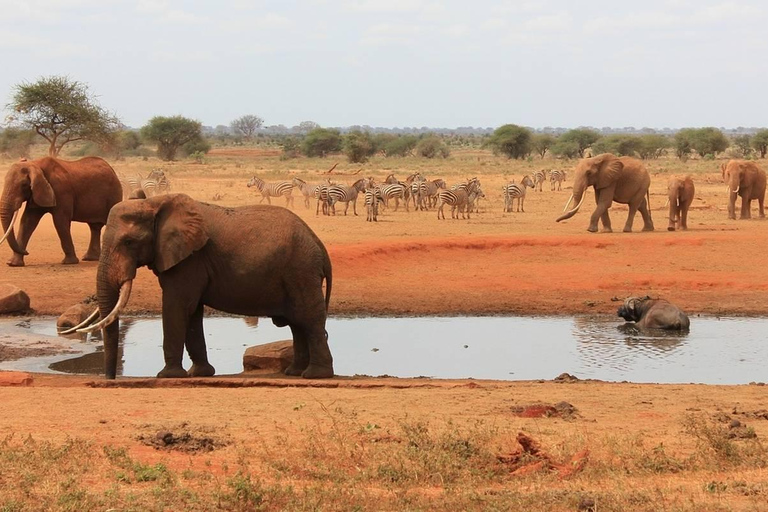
column 125, row 294
column 579, row 205
column 737, row 189
column 82, row 324
column 10, row 227
column 667, row 203
column 568, row 203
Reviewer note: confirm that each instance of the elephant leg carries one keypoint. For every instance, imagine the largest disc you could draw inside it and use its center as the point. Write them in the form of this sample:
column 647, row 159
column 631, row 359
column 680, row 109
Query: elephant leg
column 62, row 225
column 181, row 302
column 94, row 247
column 300, row 351
column 601, row 212
column 760, row 206
column 746, row 207
column 29, row 221
column 195, row 344
column 683, row 216
column 646, row 214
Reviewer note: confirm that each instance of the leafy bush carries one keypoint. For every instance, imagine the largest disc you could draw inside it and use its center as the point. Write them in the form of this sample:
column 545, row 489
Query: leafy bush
column 16, row 142
column 542, row 142
column 511, row 140
column 402, row 145
column 320, row 142
column 582, row 137
column 172, row 133
column 653, row 146
column 565, row 149
column 194, row 146
column 759, row 142
column 432, row 146
column 621, row 145
column 291, row 148
column 359, row 146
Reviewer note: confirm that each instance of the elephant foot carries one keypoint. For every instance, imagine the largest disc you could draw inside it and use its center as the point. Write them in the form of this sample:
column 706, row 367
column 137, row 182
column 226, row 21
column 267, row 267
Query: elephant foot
column 592, row 229
column 172, row 372
column 606, row 230
column 671, row 228
column 17, row 260
column 70, row 260
column 628, row 230
column 89, row 256
column 294, row 370
column 202, row 370
column 318, row 372
column 648, row 228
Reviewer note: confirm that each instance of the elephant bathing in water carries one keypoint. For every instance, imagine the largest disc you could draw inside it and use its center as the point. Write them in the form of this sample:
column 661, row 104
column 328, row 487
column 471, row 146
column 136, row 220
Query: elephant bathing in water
column 252, row 260
column 624, row 180
column 648, row 313
column 80, row 191
column 745, row 179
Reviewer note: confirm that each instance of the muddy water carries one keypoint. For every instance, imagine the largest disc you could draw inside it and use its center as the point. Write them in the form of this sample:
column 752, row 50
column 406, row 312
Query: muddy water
column 716, row 351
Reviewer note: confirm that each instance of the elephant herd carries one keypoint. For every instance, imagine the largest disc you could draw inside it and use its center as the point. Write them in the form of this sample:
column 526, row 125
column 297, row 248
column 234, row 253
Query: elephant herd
column 260, row 260
column 625, row 180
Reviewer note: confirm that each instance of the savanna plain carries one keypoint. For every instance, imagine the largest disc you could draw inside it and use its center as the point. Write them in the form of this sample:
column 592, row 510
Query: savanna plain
column 264, row 442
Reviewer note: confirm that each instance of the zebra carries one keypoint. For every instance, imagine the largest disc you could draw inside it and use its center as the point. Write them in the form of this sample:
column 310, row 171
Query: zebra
column 150, row 186
column 458, row 198
column 281, row 188
column 305, row 188
column 556, row 178
column 428, row 190
column 372, row 200
column 321, row 194
column 396, row 191
column 346, row 194
column 537, row 178
column 130, row 184
column 514, row 191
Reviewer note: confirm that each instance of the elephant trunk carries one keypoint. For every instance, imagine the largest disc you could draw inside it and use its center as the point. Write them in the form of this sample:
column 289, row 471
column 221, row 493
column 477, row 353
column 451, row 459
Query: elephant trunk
column 9, row 211
column 577, row 196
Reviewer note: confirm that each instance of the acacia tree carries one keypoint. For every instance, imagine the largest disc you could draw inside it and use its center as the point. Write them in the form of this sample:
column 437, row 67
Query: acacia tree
column 542, row 142
column 511, row 140
column 582, row 137
column 171, row 133
column 760, row 142
column 61, row 111
column 359, row 146
column 742, row 145
column 247, row 125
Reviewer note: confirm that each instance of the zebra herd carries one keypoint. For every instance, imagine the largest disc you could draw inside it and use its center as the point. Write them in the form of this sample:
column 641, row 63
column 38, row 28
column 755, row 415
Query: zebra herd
column 137, row 187
column 416, row 191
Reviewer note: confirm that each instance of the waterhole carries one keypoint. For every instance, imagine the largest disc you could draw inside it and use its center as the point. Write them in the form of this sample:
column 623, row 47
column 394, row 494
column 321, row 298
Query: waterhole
column 715, row 351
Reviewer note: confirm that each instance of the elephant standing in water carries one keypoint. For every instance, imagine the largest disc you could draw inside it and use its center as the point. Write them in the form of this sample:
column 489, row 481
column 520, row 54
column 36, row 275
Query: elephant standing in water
column 648, row 313
column 681, row 192
column 252, row 260
column 624, row 180
column 82, row 191
column 745, row 179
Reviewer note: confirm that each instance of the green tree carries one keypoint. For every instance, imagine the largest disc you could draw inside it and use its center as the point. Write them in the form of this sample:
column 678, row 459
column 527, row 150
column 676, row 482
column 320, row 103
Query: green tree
column 708, row 141
column 321, row 141
column 246, row 125
column 15, row 142
column 684, row 143
column 743, row 145
column 542, row 142
column 61, row 111
column 565, row 149
column 652, row 146
column 432, row 146
column 359, row 146
column 511, row 140
column 291, row 148
column 171, row 133
column 402, row 145
column 760, row 142
column 582, row 137
column 621, row 145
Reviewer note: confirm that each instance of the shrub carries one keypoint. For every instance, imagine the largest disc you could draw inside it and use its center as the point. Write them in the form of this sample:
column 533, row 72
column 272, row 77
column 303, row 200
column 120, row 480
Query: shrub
column 16, row 142
column 511, row 140
column 320, row 142
column 432, row 146
column 582, row 137
column 402, row 145
column 359, row 146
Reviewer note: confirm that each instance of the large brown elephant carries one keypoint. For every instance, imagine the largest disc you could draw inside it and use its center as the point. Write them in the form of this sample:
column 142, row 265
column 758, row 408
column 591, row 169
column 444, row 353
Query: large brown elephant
column 82, row 191
column 745, row 179
column 253, row 260
column 681, row 192
column 621, row 179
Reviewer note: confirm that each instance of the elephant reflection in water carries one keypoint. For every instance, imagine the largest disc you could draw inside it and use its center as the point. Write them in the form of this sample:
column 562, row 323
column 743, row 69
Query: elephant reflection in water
column 93, row 363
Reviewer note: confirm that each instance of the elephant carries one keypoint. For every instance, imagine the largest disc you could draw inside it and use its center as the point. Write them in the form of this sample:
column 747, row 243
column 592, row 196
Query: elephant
column 253, row 260
column 82, row 191
column 621, row 179
column 681, row 192
column 648, row 313
column 745, row 179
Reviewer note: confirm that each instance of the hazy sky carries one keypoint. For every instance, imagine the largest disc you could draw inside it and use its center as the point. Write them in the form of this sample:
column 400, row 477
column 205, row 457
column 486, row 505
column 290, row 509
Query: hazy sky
column 394, row 63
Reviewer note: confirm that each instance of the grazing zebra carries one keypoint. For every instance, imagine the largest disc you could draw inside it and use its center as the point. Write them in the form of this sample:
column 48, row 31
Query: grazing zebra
column 556, row 178
column 306, row 189
column 281, row 188
column 428, row 192
column 346, row 194
column 514, row 191
column 396, row 191
column 458, row 198
column 372, row 200
column 537, row 178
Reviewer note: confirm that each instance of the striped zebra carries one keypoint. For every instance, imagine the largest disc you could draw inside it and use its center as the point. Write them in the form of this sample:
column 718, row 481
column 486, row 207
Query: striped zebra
column 306, row 189
column 514, row 191
column 281, row 188
column 396, row 191
column 321, row 194
column 372, row 200
column 130, row 184
column 428, row 190
column 458, row 198
column 537, row 178
column 556, row 178
column 346, row 194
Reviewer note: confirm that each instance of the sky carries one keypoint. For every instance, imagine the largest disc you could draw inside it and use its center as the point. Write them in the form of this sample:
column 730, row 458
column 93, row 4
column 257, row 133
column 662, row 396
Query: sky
column 402, row 63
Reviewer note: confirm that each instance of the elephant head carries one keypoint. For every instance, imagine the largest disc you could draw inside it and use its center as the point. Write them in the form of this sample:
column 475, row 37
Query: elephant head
column 734, row 175
column 160, row 233
column 25, row 181
column 601, row 171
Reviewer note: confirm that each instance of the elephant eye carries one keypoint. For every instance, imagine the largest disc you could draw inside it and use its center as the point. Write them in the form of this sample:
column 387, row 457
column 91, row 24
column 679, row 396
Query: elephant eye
column 127, row 242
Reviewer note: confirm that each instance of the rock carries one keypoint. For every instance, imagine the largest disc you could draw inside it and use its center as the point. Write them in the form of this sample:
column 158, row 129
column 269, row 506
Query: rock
column 74, row 315
column 15, row 379
column 13, row 299
column 275, row 356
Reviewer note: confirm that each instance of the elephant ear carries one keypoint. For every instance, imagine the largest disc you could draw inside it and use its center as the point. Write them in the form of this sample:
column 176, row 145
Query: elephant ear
column 609, row 171
column 179, row 231
column 42, row 192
